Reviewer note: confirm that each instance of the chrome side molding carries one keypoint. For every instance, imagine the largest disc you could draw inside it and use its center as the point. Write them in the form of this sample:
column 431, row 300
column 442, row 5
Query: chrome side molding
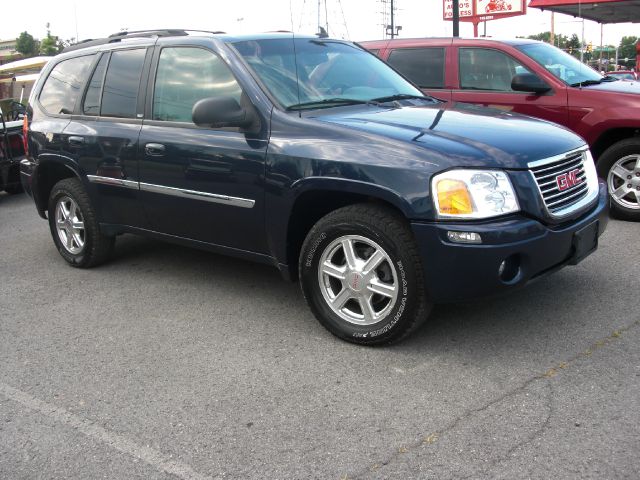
column 176, row 192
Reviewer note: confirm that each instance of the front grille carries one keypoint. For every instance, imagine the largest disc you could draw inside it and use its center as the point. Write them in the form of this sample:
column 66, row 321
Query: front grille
column 547, row 174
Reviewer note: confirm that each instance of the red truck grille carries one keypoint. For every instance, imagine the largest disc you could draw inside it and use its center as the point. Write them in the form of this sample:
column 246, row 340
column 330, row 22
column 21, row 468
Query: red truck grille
column 562, row 182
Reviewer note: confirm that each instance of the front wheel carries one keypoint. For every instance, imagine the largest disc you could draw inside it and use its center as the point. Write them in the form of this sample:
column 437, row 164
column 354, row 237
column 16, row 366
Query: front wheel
column 620, row 165
column 74, row 227
column 362, row 277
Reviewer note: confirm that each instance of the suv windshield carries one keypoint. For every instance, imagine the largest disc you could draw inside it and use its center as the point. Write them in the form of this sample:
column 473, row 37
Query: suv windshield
column 562, row 65
column 316, row 73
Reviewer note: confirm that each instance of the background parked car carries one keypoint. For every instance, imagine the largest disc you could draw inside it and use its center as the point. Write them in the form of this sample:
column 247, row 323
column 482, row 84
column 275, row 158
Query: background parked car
column 623, row 75
column 537, row 79
column 11, row 151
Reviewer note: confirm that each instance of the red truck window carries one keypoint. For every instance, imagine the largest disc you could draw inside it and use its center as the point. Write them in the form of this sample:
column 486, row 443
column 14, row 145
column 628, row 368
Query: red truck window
column 423, row 66
column 487, row 69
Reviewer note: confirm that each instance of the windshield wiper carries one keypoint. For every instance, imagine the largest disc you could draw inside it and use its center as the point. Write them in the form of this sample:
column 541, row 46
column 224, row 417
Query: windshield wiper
column 330, row 102
column 403, row 96
column 586, row 83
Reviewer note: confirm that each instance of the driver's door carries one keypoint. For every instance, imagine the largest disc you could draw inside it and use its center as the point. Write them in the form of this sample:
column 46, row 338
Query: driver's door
column 484, row 78
column 204, row 184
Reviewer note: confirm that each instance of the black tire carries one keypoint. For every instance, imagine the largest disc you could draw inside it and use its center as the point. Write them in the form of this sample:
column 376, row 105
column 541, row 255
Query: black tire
column 626, row 208
column 368, row 227
column 96, row 247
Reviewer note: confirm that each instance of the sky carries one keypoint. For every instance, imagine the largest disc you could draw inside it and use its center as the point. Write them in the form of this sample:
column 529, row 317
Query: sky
column 352, row 19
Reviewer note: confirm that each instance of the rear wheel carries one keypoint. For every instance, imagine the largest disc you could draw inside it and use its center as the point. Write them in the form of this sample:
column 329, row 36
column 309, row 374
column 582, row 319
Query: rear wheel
column 620, row 165
column 74, row 227
column 361, row 275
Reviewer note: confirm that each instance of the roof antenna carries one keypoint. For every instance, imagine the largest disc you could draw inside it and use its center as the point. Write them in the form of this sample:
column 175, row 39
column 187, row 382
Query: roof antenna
column 322, row 33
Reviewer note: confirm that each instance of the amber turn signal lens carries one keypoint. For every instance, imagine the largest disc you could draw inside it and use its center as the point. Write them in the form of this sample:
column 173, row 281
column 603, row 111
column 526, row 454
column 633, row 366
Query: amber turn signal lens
column 453, row 197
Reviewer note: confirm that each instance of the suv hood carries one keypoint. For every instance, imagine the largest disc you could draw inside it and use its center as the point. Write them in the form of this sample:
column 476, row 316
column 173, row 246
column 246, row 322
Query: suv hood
column 460, row 134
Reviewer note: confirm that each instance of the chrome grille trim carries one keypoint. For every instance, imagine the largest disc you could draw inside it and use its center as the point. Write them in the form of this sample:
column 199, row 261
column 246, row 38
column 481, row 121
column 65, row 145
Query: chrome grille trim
column 561, row 203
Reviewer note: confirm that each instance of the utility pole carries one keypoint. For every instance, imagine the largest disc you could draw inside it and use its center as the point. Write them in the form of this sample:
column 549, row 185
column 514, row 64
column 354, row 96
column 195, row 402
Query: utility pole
column 393, row 29
column 456, row 18
column 552, row 37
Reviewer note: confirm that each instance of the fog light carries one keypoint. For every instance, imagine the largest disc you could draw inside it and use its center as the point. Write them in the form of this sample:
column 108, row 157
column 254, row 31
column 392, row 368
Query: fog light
column 464, row 237
column 509, row 269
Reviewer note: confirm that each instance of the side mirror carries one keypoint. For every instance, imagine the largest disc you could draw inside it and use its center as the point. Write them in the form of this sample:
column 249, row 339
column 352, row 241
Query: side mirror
column 219, row 112
column 529, row 82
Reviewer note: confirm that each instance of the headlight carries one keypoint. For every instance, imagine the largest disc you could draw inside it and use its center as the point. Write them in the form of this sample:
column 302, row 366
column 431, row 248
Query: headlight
column 473, row 194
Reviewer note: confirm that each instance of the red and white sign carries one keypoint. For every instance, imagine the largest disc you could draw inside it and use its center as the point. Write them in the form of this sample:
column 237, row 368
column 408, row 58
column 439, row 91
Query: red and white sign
column 476, row 11
column 499, row 7
column 465, row 8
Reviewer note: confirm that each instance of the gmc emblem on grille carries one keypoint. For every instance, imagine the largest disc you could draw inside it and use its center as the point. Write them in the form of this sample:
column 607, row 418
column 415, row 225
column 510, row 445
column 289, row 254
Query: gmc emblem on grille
column 568, row 180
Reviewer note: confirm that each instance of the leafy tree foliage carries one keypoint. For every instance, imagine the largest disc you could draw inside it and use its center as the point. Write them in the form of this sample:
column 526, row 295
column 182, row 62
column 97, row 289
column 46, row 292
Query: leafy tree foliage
column 26, row 44
column 49, row 45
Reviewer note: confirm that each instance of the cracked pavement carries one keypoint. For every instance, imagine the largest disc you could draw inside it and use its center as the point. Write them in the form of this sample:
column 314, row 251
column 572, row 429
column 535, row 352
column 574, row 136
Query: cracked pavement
column 174, row 363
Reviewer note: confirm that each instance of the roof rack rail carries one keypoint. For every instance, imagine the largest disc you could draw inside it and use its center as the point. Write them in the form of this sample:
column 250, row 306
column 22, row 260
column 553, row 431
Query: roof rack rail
column 116, row 37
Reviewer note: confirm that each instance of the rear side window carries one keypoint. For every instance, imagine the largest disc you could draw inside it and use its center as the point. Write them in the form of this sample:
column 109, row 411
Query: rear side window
column 186, row 75
column 64, row 84
column 122, row 82
column 423, row 66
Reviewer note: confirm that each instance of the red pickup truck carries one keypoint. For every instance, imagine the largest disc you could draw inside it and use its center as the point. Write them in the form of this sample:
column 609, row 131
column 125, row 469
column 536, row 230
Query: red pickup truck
column 537, row 79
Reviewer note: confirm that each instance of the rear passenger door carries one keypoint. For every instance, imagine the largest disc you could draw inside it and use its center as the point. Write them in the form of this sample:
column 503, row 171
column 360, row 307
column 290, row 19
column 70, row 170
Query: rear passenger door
column 424, row 66
column 204, row 184
column 104, row 134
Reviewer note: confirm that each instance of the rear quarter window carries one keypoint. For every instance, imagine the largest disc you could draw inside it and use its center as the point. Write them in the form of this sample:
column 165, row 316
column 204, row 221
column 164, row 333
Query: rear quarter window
column 423, row 66
column 64, row 84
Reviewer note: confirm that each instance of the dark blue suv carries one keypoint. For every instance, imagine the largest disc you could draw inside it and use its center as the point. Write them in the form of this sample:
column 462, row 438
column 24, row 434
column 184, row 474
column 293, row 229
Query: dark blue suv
column 311, row 155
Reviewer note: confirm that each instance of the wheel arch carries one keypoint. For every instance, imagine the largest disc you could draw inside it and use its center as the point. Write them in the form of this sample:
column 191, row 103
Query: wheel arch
column 316, row 198
column 51, row 169
column 611, row 137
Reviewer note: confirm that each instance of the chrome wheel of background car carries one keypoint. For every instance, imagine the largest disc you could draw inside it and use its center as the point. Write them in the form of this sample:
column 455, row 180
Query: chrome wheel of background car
column 624, row 182
column 70, row 225
column 358, row 280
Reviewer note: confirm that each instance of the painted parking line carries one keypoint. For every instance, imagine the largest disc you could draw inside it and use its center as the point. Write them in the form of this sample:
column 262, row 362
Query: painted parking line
column 149, row 455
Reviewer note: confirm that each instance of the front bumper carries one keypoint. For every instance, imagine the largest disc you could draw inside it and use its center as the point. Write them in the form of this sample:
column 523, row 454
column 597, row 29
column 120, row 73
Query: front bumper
column 455, row 271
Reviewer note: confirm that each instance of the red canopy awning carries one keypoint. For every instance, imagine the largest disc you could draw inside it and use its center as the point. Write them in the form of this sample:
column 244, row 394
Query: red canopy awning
column 601, row 11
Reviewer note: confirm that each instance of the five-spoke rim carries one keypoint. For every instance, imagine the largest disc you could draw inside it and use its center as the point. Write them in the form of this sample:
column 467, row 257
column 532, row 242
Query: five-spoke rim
column 70, row 225
column 624, row 182
column 358, row 280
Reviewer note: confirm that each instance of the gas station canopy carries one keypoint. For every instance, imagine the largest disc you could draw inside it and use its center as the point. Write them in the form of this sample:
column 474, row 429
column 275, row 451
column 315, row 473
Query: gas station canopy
column 601, row 11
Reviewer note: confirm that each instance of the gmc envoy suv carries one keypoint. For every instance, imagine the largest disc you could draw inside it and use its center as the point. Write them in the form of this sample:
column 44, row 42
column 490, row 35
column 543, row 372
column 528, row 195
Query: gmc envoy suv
column 311, row 155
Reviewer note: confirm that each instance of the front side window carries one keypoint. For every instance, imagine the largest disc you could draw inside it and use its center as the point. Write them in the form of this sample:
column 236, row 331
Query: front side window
column 423, row 66
column 486, row 69
column 561, row 65
column 186, row 75
column 61, row 90
column 310, row 73
column 122, row 82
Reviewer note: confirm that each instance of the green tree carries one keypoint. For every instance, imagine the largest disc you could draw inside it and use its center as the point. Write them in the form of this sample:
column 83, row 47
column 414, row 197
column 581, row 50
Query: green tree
column 627, row 49
column 49, row 45
column 26, row 44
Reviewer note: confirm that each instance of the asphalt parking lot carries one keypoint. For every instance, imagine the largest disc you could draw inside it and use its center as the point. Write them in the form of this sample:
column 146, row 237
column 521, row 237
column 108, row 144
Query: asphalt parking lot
column 175, row 363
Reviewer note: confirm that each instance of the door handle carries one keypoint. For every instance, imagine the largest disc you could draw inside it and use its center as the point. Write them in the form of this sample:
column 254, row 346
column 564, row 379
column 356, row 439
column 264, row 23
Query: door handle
column 154, row 149
column 76, row 141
